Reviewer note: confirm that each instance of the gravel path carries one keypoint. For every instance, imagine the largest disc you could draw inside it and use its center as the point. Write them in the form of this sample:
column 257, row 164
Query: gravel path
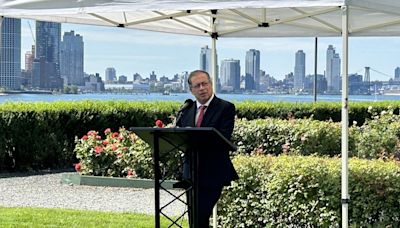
column 46, row 190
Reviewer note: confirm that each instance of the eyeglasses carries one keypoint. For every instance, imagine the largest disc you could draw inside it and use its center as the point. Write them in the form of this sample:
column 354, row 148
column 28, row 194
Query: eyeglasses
column 201, row 84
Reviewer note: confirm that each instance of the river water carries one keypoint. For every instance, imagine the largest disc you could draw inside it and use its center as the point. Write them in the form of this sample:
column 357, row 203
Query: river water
column 183, row 96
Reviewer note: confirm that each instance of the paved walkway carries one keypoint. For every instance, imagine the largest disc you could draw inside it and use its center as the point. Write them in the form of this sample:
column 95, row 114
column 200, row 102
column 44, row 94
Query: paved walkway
column 46, row 190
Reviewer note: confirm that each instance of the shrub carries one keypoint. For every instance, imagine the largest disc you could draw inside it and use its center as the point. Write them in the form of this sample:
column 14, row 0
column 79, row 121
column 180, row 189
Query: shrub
column 295, row 136
column 295, row 191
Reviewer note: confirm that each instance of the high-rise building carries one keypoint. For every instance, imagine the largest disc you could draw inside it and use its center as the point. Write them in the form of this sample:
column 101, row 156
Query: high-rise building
column 47, row 56
column 111, row 75
column 332, row 73
column 397, row 74
column 230, row 75
column 205, row 59
column 71, row 59
column 10, row 54
column 252, row 70
column 299, row 70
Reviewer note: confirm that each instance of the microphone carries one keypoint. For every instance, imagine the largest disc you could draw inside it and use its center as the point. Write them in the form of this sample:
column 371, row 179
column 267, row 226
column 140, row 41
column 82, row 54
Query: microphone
column 185, row 105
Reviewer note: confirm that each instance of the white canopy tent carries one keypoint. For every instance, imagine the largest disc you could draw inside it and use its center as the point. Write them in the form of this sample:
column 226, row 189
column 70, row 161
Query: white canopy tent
column 231, row 18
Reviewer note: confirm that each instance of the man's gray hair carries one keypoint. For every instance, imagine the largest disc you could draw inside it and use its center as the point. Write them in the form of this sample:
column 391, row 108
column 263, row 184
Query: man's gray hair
column 196, row 72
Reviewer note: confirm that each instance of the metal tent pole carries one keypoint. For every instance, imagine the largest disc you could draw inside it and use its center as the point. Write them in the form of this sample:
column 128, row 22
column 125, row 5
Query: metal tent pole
column 345, row 118
column 214, row 37
column 315, row 68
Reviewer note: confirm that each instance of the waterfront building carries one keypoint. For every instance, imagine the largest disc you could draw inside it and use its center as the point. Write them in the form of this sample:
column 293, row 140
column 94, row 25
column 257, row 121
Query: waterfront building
column 93, row 83
column 299, row 70
column 252, row 70
column 153, row 77
column 10, row 54
column 47, row 56
column 122, row 79
column 230, row 75
column 111, row 75
column 205, row 59
column 397, row 74
column 332, row 73
column 71, row 59
column 309, row 83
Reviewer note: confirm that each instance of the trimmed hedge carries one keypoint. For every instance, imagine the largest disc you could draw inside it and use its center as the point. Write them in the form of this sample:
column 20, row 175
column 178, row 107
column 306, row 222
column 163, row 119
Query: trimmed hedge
column 41, row 135
column 304, row 191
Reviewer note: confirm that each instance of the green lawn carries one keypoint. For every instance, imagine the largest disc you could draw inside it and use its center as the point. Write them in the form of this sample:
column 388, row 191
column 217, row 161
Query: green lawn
column 40, row 217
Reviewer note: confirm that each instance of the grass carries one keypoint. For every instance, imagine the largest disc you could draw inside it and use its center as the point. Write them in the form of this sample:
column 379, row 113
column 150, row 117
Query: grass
column 43, row 217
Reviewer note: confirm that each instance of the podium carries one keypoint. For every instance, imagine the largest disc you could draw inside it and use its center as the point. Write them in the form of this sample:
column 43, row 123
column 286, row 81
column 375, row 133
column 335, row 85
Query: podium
column 192, row 141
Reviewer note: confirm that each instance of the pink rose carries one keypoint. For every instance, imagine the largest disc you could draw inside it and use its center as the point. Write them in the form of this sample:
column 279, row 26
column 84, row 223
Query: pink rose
column 107, row 131
column 159, row 123
column 78, row 167
column 98, row 149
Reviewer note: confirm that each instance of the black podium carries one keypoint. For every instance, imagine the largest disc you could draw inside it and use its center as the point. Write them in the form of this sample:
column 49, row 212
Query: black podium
column 190, row 140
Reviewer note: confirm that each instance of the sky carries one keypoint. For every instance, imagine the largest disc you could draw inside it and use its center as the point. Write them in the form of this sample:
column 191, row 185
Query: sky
column 135, row 51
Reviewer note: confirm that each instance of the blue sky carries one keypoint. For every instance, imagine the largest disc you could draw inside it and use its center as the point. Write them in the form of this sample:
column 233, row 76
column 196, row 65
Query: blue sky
column 135, row 51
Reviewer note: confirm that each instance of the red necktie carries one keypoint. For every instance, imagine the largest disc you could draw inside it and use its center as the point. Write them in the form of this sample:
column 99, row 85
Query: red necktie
column 201, row 115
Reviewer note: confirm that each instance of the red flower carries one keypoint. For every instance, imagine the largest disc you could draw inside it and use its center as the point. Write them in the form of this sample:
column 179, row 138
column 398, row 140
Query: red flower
column 98, row 149
column 115, row 147
column 115, row 135
column 92, row 133
column 159, row 123
column 131, row 173
column 85, row 137
column 121, row 138
column 105, row 142
column 108, row 130
column 78, row 167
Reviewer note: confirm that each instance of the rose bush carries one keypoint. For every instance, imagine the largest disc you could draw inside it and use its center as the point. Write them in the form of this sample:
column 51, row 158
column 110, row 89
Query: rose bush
column 115, row 155
column 123, row 154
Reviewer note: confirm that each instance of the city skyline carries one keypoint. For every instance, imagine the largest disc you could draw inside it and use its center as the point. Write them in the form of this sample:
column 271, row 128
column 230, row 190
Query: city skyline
column 133, row 51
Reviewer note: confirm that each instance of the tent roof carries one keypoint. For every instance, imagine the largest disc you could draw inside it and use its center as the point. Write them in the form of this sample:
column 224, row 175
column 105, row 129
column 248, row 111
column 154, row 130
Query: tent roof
column 232, row 18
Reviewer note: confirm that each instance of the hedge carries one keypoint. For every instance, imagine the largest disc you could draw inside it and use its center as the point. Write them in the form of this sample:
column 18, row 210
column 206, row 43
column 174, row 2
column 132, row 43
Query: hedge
column 304, row 191
column 41, row 135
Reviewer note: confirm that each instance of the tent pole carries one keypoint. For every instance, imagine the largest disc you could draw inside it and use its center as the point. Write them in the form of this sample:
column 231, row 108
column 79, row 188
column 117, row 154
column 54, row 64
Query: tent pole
column 214, row 37
column 315, row 68
column 345, row 118
column 214, row 63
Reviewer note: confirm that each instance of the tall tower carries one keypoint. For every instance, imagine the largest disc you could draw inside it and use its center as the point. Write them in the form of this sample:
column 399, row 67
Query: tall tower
column 397, row 74
column 71, row 58
column 252, row 69
column 299, row 70
column 111, row 75
column 47, row 56
column 332, row 70
column 10, row 54
column 230, row 74
column 205, row 59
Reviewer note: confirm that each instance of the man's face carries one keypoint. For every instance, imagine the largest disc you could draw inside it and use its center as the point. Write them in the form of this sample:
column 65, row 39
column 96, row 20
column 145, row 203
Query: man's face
column 201, row 87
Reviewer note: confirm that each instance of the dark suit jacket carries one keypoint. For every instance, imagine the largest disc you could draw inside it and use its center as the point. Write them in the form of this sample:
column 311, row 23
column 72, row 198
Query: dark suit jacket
column 215, row 166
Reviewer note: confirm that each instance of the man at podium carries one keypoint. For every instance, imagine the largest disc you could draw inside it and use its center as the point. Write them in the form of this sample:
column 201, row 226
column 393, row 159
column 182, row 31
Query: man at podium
column 215, row 169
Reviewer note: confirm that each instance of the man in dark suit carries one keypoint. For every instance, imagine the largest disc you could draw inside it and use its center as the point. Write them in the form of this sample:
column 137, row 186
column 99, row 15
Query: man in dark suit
column 215, row 169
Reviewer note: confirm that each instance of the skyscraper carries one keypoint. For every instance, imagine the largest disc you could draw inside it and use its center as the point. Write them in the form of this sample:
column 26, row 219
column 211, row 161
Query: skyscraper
column 48, row 38
column 10, row 54
column 252, row 69
column 205, row 59
column 397, row 74
column 299, row 70
column 332, row 70
column 71, row 58
column 230, row 75
column 111, row 75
